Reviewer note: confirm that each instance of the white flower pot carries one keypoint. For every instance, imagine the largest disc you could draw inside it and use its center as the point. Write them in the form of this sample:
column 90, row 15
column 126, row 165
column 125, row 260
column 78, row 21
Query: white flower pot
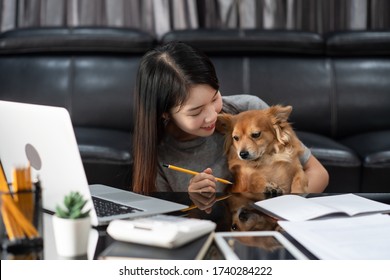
column 71, row 236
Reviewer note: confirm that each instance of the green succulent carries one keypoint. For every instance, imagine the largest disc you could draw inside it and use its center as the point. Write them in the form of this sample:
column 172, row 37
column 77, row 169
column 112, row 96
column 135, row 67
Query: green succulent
column 74, row 204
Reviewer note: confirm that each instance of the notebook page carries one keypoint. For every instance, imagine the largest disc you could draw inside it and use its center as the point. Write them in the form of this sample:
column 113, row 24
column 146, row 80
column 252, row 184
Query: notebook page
column 294, row 208
column 352, row 204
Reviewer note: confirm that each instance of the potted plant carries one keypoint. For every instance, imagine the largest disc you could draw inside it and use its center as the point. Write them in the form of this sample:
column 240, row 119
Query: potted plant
column 71, row 225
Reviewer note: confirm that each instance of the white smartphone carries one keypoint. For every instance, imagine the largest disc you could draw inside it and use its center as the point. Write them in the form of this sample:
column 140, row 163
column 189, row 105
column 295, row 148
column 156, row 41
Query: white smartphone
column 256, row 245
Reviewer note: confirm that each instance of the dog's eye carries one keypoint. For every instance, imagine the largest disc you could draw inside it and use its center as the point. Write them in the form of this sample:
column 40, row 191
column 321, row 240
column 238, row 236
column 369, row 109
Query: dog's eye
column 236, row 138
column 256, row 134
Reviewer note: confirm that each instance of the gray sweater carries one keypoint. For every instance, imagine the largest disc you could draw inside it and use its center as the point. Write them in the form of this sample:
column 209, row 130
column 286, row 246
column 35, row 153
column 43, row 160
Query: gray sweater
column 201, row 153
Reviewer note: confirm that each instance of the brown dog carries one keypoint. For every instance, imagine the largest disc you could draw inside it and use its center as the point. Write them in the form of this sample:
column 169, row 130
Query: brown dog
column 245, row 217
column 263, row 151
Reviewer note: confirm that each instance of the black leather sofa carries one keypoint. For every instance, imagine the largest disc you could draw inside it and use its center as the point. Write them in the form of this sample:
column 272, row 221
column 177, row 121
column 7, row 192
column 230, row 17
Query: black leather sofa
column 338, row 85
column 89, row 71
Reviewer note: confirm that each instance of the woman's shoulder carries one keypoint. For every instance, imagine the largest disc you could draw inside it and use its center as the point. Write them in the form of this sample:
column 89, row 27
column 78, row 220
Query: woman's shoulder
column 244, row 102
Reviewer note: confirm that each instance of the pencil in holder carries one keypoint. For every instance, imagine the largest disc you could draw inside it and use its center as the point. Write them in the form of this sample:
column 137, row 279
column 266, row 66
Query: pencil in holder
column 21, row 220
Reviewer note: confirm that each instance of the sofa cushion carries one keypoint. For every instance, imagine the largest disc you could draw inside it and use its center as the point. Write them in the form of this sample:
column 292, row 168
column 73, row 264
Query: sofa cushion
column 102, row 89
column 328, row 151
column 342, row 163
column 106, row 156
column 104, row 145
column 247, row 41
column 77, row 39
column 362, row 96
column 373, row 148
column 294, row 80
column 358, row 43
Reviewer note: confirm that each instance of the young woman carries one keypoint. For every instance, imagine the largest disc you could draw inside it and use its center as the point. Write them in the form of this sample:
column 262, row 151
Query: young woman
column 177, row 100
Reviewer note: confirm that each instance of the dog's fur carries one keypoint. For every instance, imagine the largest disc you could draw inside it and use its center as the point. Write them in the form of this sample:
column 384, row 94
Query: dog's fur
column 246, row 218
column 263, row 151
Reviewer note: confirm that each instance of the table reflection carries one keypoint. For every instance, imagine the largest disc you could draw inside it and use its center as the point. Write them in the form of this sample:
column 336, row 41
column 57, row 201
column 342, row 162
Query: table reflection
column 243, row 215
column 231, row 212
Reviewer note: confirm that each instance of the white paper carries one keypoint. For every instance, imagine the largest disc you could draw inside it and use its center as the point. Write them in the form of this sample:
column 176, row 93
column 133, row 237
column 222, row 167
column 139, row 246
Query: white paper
column 297, row 208
column 352, row 238
column 352, row 204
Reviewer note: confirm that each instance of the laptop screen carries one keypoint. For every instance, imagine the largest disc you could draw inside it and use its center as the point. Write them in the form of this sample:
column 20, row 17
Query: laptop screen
column 43, row 136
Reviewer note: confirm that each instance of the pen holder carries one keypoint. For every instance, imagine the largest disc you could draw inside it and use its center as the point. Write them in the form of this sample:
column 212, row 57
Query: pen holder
column 21, row 222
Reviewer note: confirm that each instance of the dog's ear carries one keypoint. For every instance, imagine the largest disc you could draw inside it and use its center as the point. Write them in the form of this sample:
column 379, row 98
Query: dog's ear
column 280, row 113
column 280, row 116
column 224, row 123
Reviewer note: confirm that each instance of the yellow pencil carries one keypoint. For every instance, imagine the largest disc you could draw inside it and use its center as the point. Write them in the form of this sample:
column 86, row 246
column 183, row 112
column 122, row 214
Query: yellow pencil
column 10, row 227
column 25, row 224
column 3, row 182
column 193, row 206
column 170, row 166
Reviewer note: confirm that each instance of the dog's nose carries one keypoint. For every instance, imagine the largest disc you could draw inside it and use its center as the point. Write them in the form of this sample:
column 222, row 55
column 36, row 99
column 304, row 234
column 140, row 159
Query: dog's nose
column 244, row 154
column 234, row 227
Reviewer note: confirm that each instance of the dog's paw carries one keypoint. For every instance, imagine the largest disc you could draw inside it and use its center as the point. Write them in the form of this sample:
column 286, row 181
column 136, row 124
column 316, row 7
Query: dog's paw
column 272, row 189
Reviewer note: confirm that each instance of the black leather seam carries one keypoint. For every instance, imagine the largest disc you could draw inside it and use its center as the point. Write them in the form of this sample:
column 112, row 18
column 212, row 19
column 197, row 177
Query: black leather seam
column 246, row 74
column 71, row 85
column 333, row 96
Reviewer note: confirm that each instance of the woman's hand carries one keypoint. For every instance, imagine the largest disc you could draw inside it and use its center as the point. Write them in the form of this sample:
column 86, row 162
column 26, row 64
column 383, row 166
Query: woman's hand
column 202, row 190
column 203, row 182
column 203, row 201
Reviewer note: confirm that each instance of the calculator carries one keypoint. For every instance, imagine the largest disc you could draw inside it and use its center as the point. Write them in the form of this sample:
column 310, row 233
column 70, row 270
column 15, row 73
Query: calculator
column 160, row 230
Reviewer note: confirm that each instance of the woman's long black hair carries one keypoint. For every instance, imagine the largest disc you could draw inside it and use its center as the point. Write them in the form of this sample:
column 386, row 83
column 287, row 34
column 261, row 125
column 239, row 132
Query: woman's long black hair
column 164, row 78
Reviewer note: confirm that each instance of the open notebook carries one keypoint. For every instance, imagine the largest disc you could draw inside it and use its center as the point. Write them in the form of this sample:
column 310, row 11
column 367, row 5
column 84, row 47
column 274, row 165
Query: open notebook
column 44, row 136
column 292, row 207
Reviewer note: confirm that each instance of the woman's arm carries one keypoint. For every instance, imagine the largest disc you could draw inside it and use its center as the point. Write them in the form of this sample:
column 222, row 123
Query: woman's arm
column 317, row 175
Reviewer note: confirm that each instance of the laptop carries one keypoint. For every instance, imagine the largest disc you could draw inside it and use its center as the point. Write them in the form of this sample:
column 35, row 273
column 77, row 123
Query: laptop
column 44, row 137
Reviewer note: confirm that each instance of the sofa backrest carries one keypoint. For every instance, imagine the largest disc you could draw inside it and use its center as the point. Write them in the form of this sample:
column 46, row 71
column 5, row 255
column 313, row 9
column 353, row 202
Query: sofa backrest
column 330, row 81
column 361, row 75
column 338, row 84
column 89, row 71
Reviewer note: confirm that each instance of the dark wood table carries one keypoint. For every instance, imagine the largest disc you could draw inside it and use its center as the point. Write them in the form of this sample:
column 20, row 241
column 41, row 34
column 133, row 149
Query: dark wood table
column 231, row 213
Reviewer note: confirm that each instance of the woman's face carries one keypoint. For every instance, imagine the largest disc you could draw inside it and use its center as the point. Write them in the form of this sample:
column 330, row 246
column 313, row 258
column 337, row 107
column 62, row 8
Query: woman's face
column 198, row 115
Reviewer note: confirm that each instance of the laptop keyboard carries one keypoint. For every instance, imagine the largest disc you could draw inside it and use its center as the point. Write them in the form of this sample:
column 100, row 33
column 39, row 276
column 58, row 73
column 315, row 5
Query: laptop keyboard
column 105, row 208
